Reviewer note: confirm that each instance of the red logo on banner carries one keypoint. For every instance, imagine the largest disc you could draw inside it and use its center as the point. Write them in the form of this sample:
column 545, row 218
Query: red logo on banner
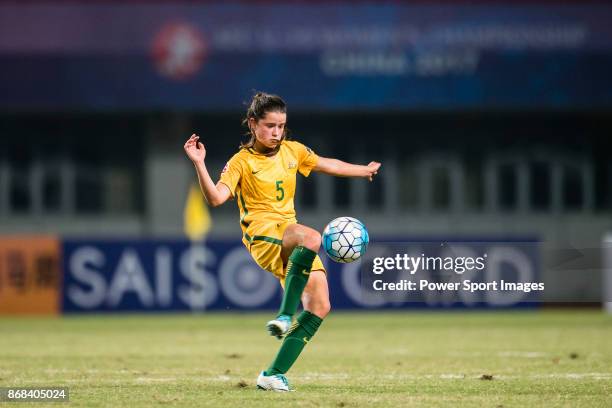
column 179, row 50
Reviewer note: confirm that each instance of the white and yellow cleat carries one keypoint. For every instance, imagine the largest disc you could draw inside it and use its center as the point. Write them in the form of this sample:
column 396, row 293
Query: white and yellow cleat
column 276, row 382
column 279, row 326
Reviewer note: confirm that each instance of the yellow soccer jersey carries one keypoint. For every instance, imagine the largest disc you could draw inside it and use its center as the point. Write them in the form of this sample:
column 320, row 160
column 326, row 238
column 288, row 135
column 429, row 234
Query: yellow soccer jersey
column 264, row 186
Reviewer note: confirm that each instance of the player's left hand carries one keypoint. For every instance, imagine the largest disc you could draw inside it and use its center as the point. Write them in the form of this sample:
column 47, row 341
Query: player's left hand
column 372, row 169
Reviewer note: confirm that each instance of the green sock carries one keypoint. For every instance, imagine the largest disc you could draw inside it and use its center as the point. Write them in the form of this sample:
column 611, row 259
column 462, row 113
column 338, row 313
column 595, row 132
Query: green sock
column 298, row 270
column 300, row 333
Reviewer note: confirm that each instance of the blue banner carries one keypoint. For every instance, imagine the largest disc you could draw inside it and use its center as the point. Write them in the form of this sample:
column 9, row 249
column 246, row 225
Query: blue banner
column 162, row 276
column 338, row 56
column 156, row 276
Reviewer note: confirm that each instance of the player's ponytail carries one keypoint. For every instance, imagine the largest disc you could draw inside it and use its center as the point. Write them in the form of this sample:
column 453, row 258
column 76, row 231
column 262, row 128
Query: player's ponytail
column 261, row 104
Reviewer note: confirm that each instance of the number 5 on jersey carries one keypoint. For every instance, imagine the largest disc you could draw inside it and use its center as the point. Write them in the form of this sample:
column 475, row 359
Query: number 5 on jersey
column 280, row 190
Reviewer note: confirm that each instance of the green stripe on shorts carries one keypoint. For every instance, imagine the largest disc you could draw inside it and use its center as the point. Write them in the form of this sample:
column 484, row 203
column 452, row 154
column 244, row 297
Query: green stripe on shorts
column 263, row 238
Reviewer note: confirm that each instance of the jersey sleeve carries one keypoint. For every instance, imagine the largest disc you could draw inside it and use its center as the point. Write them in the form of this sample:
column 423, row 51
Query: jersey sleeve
column 307, row 159
column 231, row 174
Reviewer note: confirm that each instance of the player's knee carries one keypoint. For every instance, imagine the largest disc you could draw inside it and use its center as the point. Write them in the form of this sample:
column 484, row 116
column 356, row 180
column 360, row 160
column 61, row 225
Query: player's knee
column 326, row 308
column 321, row 309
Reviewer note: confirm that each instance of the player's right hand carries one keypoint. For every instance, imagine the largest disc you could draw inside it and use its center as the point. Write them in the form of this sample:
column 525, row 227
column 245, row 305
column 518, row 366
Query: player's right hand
column 372, row 169
column 195, row 149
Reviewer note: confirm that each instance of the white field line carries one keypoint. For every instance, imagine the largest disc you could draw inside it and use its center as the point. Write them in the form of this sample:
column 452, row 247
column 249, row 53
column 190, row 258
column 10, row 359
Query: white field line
column 152, row 378
column 155, row 380
column 523, row 354
column 453, row 376
column 506, row 353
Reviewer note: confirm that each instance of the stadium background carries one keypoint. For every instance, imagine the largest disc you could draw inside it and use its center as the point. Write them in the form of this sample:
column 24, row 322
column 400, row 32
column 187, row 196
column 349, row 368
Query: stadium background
column 492, row 122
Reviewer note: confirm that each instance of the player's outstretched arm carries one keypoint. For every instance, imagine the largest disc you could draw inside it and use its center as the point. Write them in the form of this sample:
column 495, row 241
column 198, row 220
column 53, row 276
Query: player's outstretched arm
column 215, row 194
column 335, row 167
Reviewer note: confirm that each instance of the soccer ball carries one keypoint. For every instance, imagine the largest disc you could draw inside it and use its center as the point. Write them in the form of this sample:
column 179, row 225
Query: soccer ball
column 345, row 239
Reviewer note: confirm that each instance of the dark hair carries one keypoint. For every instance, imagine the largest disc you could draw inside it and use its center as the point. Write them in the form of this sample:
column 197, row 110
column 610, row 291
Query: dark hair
column 260, row 105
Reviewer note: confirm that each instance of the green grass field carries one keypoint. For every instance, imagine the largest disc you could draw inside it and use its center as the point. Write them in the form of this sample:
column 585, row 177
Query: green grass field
column 373, row 359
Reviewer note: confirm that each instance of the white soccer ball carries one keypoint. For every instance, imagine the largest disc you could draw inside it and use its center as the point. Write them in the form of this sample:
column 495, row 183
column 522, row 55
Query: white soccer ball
column 345, row 239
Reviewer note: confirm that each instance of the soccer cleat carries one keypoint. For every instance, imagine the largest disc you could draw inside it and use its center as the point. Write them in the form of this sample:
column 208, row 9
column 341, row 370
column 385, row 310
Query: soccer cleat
column 276, row 382
column 279, row 326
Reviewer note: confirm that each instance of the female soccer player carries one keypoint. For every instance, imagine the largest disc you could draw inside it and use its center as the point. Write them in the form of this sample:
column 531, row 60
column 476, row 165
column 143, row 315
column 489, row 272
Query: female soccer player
column 262, row 177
